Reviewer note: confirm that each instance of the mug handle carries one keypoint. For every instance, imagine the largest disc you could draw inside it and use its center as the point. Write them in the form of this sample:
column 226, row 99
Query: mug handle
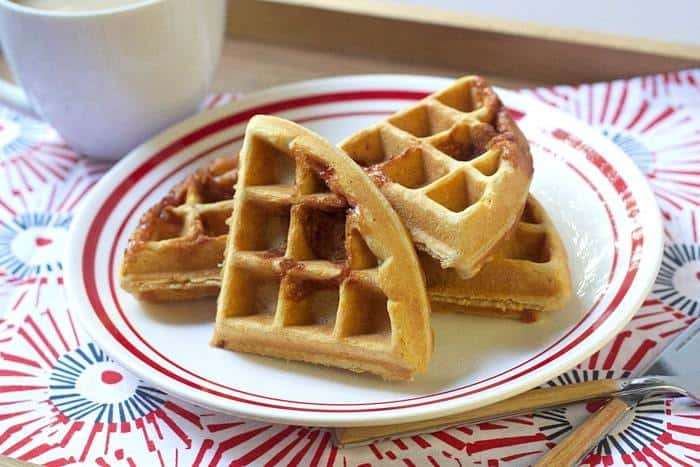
column 15, row 97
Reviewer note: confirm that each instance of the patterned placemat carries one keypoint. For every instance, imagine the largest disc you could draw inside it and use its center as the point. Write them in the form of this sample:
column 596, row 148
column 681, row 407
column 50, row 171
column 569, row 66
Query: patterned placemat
column 63, row 400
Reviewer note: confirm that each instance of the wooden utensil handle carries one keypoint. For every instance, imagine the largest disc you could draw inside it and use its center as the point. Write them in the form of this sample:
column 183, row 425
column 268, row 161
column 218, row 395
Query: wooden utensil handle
column 583, row 438
column 10, row 462
column 526, row 402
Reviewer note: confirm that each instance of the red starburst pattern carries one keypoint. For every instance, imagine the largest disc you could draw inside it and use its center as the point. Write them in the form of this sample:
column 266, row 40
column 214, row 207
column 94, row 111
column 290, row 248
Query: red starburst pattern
column 445, row 447
column 63, row 400
column 35, row 425
column 641, row 340
column 511, row 441
column 678, row 87
column 234, row 442
column 661, row 134
column 31, row 153
column 33, row 230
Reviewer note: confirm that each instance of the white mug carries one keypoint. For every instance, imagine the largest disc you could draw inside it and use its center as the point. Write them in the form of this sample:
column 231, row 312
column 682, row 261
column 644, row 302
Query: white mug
column 108, row 79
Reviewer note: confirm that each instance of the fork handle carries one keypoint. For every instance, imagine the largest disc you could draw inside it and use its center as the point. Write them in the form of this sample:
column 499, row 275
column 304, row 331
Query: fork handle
column 582, row 439
column 526, row 402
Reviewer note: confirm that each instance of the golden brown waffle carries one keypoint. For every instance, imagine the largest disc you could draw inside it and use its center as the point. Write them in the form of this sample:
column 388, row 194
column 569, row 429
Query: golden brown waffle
column 507, row 287
column 528, row 275
column 176, row 251
column 318, row 266
column 455, row 167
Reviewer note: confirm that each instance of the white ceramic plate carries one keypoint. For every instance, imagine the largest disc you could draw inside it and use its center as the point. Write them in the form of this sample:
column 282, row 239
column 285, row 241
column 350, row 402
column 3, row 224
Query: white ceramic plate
column 598, row 200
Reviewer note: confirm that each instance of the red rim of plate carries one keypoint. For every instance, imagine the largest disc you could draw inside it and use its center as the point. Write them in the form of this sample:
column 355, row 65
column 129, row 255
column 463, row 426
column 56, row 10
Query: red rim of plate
column 105, row 210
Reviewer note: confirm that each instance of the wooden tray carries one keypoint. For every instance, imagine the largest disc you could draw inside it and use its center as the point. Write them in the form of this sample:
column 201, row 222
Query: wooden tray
column 438, row 38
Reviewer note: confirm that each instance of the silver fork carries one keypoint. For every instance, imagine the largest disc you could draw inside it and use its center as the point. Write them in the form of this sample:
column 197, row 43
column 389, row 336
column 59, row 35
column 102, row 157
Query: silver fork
column 679, row 361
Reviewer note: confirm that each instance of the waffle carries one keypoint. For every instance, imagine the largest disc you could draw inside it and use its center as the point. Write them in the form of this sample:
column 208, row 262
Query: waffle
column 318, row 267
column 175, row 252
column 528, row 275
column 533, row 286
column 455, row 167
column 539, row 287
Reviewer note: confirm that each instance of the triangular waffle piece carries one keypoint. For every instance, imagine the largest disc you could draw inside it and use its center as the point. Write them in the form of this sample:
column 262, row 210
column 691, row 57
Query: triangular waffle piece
column 528, row 275
column 455, row 167
column 175, row 252
column 318, row 266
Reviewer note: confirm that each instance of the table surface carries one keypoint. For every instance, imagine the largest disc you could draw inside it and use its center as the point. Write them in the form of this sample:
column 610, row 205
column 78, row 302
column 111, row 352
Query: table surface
column 248, row 66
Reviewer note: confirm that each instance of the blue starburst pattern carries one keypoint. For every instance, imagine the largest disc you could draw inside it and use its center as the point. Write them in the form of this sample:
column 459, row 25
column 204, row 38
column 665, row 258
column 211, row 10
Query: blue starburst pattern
column 85, row 384
column 576, row 375
column 18, row 132
column 640, row 427
column 633, row 147
column 32, row 244
column 678, row 282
